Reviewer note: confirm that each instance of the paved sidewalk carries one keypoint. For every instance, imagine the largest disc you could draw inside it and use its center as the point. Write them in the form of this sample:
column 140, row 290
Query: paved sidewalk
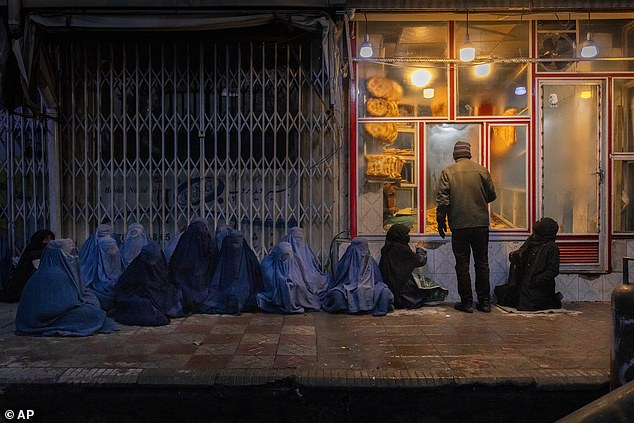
column 430, row 347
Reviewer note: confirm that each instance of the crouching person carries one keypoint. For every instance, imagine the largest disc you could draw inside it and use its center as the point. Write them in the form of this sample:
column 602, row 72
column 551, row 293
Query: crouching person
column 533, row 269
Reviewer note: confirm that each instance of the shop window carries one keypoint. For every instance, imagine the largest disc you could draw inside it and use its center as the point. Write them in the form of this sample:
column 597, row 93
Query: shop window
column 439, row 143
column 623, row 116
column 508, row 145
column 487, row 86
column 402, row 90
column 624, row 195
column 387, row 176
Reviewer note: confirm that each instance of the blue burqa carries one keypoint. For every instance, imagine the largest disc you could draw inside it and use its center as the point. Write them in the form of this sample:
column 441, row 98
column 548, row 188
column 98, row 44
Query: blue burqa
column 53, row 302
column 237, row 278
column 358, row 286
column 192, row 265
column 221, row 232
column 144, row 295
column 88, row 252
column 171, row 246
column 108, row 267
column 284, row 288
column 135, row 240
column 315, row 280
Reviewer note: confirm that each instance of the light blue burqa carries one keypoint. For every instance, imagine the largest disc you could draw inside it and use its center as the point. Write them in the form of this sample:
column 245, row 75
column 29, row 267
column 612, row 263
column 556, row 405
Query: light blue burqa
column 134, row 241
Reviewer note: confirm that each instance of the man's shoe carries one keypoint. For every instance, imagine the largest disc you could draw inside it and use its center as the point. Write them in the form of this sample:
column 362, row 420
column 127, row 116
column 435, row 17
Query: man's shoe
column 484, row 307
column 466, row 308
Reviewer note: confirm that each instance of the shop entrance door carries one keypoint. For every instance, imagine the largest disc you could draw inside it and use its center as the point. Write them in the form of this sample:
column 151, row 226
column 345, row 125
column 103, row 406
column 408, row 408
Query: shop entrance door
column 571, row 169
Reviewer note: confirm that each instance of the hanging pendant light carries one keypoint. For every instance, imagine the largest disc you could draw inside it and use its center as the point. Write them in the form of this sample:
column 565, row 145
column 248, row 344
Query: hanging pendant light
column 467, row 52
column 366, row 47
column 588, row 47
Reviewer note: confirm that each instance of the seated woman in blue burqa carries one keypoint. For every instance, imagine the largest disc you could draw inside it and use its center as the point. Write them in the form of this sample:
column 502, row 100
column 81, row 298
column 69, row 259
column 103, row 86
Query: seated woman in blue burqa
column 144, row 295
column 55, row 301
column 285, row 289
column 315, row 280
column 236, row 279
column 534, row 266
column 192, row 265
column 101, row 264
column 398, row 264
column 358, row 286
column 135, row 240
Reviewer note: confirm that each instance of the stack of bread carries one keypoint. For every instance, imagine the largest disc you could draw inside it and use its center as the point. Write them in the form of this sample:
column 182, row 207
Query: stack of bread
column 383, row 166
column 383, row 102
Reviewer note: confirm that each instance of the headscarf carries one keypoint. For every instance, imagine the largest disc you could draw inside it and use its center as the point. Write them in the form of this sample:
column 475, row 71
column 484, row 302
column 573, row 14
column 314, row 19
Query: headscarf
column 236, row 279
column 358, row 285
column 144, row 294
column 316, row 281
column 88, row 252
column 109, row 266
column 284, row 288
column 192, row 265
column 135, row 240
column 52, row 302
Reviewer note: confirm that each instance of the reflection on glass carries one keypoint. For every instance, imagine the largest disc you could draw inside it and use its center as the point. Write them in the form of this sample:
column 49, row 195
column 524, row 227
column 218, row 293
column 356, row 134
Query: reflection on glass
column 387, row 177
column 439, row 142
column 508, row 171
column 570, row 177
column 623, row 115
column 623, row 195
column 396, row 91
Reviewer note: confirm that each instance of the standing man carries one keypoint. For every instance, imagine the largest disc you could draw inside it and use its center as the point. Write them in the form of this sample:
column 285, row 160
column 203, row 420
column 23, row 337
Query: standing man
column 464, row 191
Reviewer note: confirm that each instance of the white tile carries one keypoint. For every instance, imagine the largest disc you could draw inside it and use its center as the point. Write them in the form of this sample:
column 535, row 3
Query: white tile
column 498, row 278
column 609, row 282
column 590, row 289
column 512, row 246
column 444, row 261
column 568, row 285
column 498, row 257
column 619, row 250
column 630, row 248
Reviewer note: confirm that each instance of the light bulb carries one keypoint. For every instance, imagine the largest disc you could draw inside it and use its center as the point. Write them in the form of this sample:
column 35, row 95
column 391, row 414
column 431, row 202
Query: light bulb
column 483, row 69
column 428, row 93
column 421, row 77
column 366, row 49
column 520, row 90
column 467, row 53
column 589, row 48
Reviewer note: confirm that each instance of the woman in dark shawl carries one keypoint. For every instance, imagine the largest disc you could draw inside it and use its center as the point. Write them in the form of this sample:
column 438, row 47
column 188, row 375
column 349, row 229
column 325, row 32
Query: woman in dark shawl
column 398, row 262
column 192, row 265
column 358, row 286
column 144, row 295
column 134, row 241
column 54, row 301
column 26, row 267
column 284, row 288
column 315, row 280
column 236, row 280
column 533, row 269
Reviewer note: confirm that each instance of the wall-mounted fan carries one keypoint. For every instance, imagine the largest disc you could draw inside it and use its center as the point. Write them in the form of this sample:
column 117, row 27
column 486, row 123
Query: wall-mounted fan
column 556, row 46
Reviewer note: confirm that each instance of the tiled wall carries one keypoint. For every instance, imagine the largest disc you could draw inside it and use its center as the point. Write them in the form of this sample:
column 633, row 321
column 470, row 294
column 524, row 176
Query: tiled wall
column 440, row 267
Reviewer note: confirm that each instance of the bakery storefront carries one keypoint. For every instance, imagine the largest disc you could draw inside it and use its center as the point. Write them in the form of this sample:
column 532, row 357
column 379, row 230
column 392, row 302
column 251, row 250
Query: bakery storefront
column 546, row 103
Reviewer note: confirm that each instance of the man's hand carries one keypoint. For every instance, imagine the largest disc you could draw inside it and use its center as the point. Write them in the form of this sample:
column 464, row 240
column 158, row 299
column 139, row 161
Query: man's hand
column 442, row 228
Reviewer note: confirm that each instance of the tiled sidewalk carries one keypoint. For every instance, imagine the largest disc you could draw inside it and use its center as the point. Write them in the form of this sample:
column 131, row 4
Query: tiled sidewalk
column 427, row 347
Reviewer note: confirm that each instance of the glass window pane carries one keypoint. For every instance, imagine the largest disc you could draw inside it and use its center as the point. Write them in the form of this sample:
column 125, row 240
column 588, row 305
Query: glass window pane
column 439, row 143
column 399, row 90
column 570, row 177
column 623, row 119
column 487, row 87
column 623, row 195
column 556, row 40
column 613, row 38
column 508, row 170
column 387, row 176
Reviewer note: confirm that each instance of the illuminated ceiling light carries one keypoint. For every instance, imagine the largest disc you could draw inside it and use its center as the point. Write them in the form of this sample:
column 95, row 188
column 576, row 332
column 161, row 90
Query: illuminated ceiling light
column 588, row 47
column 467, row 52
column 428, row 93
column 366, row 47
column 483, row 69
column 585, row 94
column 421, row 77
column 520, row 90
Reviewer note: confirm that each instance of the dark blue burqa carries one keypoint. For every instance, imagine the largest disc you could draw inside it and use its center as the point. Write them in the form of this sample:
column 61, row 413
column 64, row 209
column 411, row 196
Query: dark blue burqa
column 144, row 295
column 315, row 280
column 221, row 232
column 358, row 286
column 88, row 252
column 192, row 265
column 108, row 267
column 171, row 246
column 236, row 280
column 53, row 302
column 135, row 240
column 284, row 288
